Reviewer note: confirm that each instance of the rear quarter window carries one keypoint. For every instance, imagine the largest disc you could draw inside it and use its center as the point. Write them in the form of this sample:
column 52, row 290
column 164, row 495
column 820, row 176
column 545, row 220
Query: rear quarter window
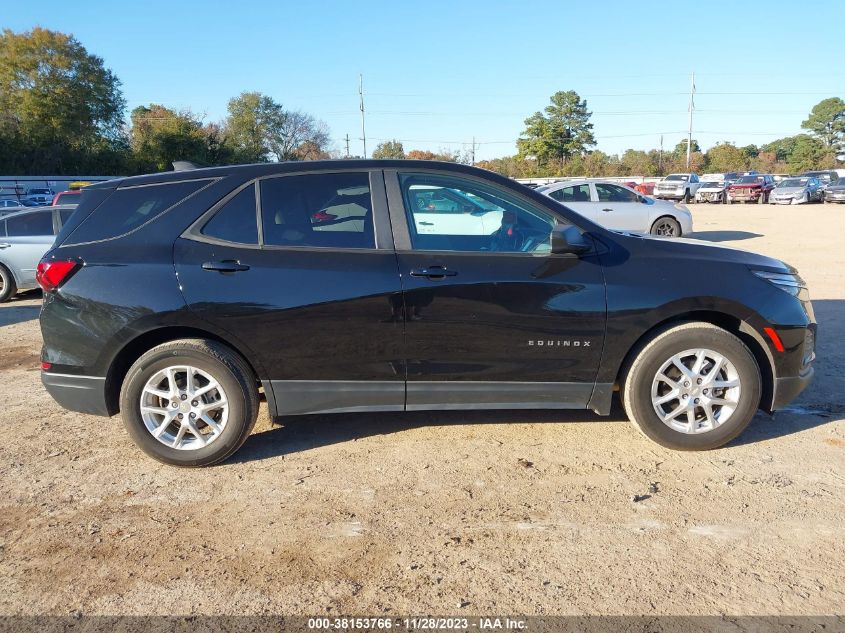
column 129, row 208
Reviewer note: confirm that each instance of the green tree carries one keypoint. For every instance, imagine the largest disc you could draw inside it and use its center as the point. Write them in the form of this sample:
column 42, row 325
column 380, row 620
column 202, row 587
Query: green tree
column 725, row 157
column 159, row 136
column 807, row 153
column 389, row 149
column 259, row 129
column 827, row 122
column 681, row 148
column 638, row 163
column 61, row 110
column 561, row 132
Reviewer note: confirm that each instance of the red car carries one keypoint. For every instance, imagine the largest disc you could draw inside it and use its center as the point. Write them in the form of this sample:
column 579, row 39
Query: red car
column 645, row 188
column 66, row 197
column 752, row 188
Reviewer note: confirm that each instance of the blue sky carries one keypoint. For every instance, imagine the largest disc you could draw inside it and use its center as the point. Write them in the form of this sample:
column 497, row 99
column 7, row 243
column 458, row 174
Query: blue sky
column 437, row 73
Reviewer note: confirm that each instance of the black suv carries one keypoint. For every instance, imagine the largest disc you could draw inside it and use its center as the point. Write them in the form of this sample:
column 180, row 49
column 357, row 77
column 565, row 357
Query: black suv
column 179, row 298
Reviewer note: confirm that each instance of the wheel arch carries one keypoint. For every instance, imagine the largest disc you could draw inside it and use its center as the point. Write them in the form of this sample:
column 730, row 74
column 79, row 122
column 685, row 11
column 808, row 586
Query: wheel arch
column 133, row 349
column 736, row 326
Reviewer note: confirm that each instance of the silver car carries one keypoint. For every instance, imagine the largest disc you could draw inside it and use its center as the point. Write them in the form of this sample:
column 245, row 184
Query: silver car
column 619, row 208
column 796, row 191
column 24, row 238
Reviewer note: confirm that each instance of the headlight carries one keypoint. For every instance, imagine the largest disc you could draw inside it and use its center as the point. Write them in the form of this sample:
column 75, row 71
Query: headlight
column 788, row 282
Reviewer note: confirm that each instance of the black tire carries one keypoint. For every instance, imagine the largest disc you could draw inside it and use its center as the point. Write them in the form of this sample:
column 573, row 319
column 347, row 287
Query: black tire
column 8, row 287
column 647, row 361
column 228, row 369
column 723, row 199
column 666, row 226
column 728, row 199
column 762, row 198
column 687, row 197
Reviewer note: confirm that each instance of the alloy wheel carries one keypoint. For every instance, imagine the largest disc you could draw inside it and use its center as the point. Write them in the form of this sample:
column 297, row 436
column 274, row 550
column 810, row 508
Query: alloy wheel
column 695, row 391
column 184, row 407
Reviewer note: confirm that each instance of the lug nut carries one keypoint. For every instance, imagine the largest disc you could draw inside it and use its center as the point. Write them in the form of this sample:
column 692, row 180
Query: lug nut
column 695, row 401
column 193, row 403
column 686, row 383
column 686, row 396
column 698, row 381
column 184, row 396
column 180, row 416
column 706, row 391
column 175, row 404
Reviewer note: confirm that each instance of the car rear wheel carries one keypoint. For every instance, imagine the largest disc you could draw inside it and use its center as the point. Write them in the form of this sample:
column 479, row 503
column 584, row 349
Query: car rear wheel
column 189, row 402
column 687, row 197
column 8, row 288
column 666, row 227
column 693, row 386
column 762, row 198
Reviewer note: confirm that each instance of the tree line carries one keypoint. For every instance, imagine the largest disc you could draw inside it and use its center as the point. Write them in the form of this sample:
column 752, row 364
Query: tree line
column 62, row 112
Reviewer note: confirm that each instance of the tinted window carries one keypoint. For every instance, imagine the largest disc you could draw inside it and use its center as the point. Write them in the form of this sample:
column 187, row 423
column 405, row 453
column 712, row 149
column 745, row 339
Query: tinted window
column 127, row 209
column 30, row 224
column 497, row 221
column 581, row 193
column 235, row 221
column 328, row 210
column 614, row 193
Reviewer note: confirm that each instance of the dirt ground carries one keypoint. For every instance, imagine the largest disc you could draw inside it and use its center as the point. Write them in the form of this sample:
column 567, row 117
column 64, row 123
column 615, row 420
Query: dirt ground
column 445, row 512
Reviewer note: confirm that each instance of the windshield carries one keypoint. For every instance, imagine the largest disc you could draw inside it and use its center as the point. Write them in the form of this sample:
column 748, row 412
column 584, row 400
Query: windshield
column 676, row 177
column 714, row 183
column 749, row 180
column 793, row 182
column 841, row 182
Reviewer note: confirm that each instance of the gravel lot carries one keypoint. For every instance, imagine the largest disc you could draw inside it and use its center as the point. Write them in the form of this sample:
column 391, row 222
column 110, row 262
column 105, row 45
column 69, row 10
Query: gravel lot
column 453, row 512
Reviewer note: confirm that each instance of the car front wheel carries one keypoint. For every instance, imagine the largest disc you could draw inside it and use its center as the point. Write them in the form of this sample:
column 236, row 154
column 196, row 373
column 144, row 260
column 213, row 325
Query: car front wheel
column 666, row 227
column 7, row 284
column 693, row 386
column 189, row 402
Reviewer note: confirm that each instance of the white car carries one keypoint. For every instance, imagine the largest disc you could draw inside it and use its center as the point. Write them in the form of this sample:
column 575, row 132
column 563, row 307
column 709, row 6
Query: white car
column 712, row 191
column 617, row 207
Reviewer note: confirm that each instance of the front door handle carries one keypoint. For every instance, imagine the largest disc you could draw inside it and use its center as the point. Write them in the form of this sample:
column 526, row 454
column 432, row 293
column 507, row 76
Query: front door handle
column 5, row 245
column 226, row 266
column 607, row 210
column 433, row 272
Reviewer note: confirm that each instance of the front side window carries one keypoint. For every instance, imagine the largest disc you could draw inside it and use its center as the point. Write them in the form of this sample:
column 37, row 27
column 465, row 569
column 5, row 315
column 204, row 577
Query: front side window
column 30, row 224
column 495, row 221
column 318, row 210
column 579, row 193
column 235, row 221
column 614, row 193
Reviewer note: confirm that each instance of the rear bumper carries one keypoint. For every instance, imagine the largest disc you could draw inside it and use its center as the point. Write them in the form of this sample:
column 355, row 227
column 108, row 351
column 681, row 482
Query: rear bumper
column 787, row 389
column 85, row 394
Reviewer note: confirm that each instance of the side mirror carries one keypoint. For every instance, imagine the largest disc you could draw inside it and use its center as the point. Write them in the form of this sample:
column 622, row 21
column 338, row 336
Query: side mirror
column 568, row 239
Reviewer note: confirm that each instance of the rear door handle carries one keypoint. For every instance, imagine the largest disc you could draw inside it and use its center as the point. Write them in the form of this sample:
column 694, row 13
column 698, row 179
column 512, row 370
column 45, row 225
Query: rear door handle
column 607, row 210
column 226, row 266
column 433, row 272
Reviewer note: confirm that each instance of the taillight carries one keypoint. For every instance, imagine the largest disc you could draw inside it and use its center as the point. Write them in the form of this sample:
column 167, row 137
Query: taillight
column 53, row 273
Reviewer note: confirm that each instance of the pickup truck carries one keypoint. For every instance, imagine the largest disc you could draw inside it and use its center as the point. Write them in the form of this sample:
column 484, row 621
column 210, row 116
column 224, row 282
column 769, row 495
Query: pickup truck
column 677, row 187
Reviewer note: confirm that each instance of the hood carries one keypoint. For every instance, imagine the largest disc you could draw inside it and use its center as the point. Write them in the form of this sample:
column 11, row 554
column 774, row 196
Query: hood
column 699, row 249
column 788, row 190
column 712, row 186
column 746, row 185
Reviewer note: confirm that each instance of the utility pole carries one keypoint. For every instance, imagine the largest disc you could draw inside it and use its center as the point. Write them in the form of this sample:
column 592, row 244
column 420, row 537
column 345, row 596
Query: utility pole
column 660, row 157
column 347, row 145
column 363, row 128
column 472, row 154
column 691, row 110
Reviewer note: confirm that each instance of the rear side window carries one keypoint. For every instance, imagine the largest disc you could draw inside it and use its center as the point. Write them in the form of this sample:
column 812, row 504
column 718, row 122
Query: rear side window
column 322, row 210
column 581, row 193
column 235, row 221
column 30, row 224
column 129, row 208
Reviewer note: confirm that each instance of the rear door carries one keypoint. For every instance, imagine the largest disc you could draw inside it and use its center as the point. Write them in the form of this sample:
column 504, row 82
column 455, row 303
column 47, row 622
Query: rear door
column 578, row 197
column 300, row 270
column 620, row 208
column 26, row 238
column 493, row 319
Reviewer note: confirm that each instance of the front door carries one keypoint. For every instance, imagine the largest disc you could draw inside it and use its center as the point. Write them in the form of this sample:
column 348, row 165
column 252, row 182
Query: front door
column 26, row 238
column 492, row 318
column 620, row 209
column 312, row 290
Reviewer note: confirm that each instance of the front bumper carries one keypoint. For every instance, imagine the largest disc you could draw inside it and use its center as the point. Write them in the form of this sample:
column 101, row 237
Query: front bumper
column 839, row 197
column 787, row 389
column 709, row 196
column 789, row 200
column 744, row 196
column 85, row 394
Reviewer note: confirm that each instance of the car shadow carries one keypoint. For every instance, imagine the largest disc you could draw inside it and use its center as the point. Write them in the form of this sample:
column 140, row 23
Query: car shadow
column 722, row 236
column 11, row 313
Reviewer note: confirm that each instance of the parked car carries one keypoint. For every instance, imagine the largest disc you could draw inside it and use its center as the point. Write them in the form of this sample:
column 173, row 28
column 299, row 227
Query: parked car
column 174, row 298
column 10, row 203
column 677, row 187
column 835, row 191
column 67, row 197
column 796, row 191
column 751, row 188
column 24, row 238
column 617, row 207
column 712, row 191
column 778, row 177
column 825, row 177
column 40, row 196
column 645, row 188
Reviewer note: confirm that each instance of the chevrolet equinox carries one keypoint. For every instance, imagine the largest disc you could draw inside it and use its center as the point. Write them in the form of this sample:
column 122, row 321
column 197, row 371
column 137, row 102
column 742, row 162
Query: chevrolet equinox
column 179, row 298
